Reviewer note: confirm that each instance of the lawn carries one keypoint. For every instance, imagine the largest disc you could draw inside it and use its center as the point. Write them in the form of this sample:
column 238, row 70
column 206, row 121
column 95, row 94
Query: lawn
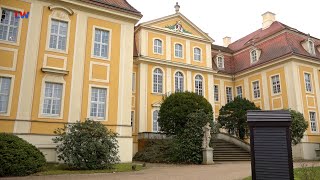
column 55, row 169
column 305, row 173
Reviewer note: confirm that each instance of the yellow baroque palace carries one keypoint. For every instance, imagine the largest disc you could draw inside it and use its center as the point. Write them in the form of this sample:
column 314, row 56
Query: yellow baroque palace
column 63, row 61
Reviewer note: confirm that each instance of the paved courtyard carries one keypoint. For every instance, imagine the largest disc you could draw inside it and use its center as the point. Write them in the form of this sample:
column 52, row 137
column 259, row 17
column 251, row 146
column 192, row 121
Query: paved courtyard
column 219, row 171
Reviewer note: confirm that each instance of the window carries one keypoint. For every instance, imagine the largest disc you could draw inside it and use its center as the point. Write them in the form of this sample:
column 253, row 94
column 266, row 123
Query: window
column 178, row 82
column 253, row 55
column 256, row 89
column 313, row 122
column 101, row 43
column 276, row 87
column 52, row 99
column 155, row 124
column 198, row 85
column 157, row 46
column 178, row 50
column 58, row 35
column 216, row 92
column 307, row 80
column 9, row 26
column 220, row 62
column 239, row 91
column 5, row 84
column 157, row 80
column 98, row 103
column 311, row 47
column 229, row 94
column 133, row 82
column 197, row 54
column 132, row 120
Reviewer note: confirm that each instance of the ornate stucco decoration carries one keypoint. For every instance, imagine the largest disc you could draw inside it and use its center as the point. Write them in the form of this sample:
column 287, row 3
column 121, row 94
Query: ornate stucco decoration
column 178, row 28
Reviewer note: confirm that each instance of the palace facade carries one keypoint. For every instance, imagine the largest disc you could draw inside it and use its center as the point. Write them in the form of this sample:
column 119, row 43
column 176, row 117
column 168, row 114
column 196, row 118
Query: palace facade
column 70, row 60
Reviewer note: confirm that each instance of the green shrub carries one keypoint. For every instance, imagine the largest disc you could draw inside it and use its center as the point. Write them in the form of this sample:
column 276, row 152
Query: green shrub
column 298, row 127
column 233, row 116
column 175, row 109
column 87, row 145
column 18, row 157
column 155, row 151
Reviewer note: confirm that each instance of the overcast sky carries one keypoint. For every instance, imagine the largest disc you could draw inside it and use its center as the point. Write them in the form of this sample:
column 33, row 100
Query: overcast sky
column 235, row 18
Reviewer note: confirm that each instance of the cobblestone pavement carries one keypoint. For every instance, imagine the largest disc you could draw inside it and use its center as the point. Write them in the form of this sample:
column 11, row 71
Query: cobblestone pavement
column 218, row 171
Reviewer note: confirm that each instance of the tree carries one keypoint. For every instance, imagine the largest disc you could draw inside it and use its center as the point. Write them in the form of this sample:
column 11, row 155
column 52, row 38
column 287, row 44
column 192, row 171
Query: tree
column 18, row 157
column 233, row 116
column 175, row 109
column 87, row 145
column 298, row 126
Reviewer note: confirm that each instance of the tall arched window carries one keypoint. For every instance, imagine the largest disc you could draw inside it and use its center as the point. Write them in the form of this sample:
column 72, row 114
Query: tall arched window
column 157, row 80
column 197, row 54
column 155, row 124
column 178, row 50
column 178, row 82
column 157, row 46
column 198, row 85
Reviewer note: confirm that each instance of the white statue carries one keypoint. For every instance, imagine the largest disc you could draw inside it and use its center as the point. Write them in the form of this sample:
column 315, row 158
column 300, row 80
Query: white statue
column 207, row 136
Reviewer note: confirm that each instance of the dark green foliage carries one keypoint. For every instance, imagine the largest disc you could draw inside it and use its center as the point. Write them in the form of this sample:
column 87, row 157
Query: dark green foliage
column 18, row 157
column 175, row 109
column 155, row 151
column 298, row 127
column 87, row 145
column 233, row 116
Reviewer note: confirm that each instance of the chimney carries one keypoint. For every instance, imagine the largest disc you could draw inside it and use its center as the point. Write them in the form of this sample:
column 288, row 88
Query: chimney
column 267, row 19
column 226, row 41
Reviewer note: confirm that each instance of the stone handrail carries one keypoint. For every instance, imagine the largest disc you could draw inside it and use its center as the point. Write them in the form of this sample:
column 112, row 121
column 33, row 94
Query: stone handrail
column 233, row 140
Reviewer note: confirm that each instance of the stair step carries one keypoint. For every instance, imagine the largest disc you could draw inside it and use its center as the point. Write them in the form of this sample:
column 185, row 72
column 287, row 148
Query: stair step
column 225, row 151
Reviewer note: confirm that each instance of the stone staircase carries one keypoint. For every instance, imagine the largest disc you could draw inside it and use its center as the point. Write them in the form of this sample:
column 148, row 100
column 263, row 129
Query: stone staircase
column 225, row 151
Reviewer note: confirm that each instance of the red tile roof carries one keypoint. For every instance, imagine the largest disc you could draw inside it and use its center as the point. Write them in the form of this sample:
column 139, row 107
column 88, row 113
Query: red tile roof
column 120, row 5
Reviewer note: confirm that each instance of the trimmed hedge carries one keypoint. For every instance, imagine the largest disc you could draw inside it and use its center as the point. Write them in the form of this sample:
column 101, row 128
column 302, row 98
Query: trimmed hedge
column 18, row 157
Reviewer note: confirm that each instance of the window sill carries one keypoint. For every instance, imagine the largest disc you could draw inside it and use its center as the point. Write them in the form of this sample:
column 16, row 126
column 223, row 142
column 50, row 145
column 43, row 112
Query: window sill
column 158, row 94
column 5, row 114
column 50, row 116
column 100, row 58
column 9, row 42
column 57, row 51
column 54, row 71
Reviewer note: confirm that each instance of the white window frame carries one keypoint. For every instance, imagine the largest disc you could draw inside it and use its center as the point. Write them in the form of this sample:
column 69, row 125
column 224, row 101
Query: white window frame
column 315, row 121
column 238, row 94
column 163, row 80
column 222, row 61
column 108, row 58
column 52, row 79
column 311, row 47
column 258, row 89
column 252, row 57
column 310, row 83
column 275, row 85
column 52, row 99
column 153, row 110
column 182, row 53
column 17, row 43
column 132, row 117
column 194, row 54
column 65, row 18
column 216, row 93
column 89, row 103
column 203, row 85
column 8, row 113
column 154, row 40
column 134, row 80
column 183, row 81
column 229, row 95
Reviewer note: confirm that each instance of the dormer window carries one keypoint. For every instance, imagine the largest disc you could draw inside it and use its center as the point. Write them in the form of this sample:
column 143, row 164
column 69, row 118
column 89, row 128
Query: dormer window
column 220, row 62
column 311, row 47
column 253, row 55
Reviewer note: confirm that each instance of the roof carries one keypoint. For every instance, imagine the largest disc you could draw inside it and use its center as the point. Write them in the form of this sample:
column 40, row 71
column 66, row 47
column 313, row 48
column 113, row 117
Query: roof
column 120, row 5
column 280, row 45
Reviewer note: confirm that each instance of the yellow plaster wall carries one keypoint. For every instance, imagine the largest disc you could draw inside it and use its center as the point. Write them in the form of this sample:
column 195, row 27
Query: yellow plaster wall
column 99, row 72
column 39, row 127
column 135, row 107
column 202, row 46
column 55, row 62
column 183, row 43
column 259, row 101
column 7, row 58
column 277, row 101
column 114, row 70
column 151, row 37
column 302, row 70
column 6, row 126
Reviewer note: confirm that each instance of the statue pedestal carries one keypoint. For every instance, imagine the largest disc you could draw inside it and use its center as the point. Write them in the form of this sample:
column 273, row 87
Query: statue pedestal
column 207, row 156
